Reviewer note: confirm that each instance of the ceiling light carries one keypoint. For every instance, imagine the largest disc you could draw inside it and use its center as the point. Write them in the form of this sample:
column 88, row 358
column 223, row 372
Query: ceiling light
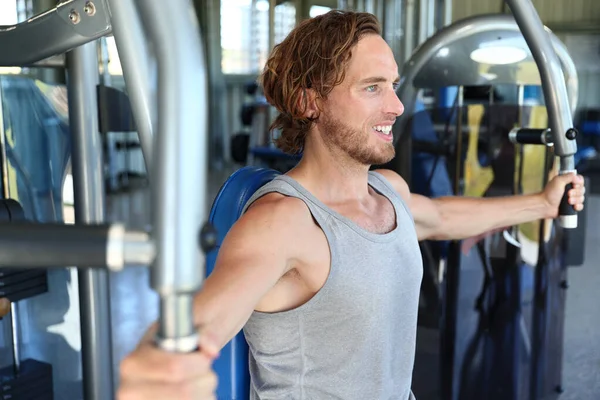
column 498, row 55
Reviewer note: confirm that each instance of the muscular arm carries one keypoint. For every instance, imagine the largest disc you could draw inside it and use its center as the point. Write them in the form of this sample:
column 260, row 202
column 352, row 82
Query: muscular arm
column 449, row 218
column 255, row 254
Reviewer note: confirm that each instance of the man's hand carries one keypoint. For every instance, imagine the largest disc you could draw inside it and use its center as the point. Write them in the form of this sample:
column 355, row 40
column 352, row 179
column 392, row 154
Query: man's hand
column 150, row 373
column 555, row 189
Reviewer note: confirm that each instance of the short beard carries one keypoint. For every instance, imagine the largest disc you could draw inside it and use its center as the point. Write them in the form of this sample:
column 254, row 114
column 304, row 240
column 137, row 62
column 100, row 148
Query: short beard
column 352, row 142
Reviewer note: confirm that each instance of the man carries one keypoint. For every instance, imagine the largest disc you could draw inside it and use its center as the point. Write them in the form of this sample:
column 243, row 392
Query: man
column 323, row 270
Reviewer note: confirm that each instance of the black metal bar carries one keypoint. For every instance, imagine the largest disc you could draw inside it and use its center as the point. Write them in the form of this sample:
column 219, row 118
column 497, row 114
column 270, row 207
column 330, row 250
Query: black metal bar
column 29, row 245
column 65, row 27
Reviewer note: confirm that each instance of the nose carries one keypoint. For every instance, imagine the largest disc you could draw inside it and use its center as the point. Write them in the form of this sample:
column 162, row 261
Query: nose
column 393, row 104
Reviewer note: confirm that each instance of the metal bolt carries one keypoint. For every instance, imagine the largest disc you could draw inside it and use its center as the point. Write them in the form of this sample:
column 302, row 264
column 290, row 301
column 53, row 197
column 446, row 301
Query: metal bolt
column 74, row 17
column 89, row 8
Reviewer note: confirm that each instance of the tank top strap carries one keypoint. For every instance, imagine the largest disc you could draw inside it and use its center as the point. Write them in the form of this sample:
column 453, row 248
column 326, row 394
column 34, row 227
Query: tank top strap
column 383, row 186
column 287, row 186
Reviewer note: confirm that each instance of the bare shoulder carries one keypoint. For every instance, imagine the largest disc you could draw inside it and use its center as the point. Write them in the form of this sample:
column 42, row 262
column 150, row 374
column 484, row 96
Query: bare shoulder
column 397, row 182
column 269, row 225
column 278, row 209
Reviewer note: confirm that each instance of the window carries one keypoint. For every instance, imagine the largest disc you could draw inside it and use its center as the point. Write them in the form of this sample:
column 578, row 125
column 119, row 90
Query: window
column 12, row 12
column 318, row 10
column 245, row 33
column 8, row 12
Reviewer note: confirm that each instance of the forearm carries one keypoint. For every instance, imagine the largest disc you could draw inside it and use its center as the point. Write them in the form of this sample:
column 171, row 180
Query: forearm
column 462, row 217
column 221, row 321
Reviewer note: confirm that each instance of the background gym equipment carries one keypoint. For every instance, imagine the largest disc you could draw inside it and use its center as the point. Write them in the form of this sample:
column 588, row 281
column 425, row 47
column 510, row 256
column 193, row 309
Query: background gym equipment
column 492, row 314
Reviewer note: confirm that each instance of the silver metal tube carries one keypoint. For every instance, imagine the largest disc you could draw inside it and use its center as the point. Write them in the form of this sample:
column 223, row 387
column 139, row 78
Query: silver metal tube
column 138, row 249
column 423, row 20
column 14, row 322
column 409, row 27
column 88, row 187
column 555, row 92
column 272, row 5
column 447, row 12
column 551, row 73
column 179, row 167
column 139, row 72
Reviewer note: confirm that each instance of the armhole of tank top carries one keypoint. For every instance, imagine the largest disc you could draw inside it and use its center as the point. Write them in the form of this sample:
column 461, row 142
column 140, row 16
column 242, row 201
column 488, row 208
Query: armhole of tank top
column 289, row 192
column 321, row 221
column 393, row 193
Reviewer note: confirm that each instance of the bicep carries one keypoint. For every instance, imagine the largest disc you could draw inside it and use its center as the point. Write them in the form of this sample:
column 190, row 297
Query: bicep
column 250, row 262
column 426, row 215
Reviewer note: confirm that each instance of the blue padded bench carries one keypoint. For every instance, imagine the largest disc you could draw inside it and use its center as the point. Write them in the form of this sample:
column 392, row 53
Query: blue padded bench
column 232, row 365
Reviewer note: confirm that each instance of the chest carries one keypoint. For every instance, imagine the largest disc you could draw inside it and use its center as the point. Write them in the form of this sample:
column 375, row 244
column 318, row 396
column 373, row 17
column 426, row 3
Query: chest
column 375, row 215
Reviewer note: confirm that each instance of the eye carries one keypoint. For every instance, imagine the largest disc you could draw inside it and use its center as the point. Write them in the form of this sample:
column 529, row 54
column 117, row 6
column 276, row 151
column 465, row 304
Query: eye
column 396, row 85
column 371, row 88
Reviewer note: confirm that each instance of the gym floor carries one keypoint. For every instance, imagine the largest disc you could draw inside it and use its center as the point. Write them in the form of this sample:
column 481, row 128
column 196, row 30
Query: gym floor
column 133, row 304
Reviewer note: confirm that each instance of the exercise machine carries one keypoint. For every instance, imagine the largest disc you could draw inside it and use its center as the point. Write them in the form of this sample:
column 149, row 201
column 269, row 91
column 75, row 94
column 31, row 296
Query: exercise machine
column 499, row 316
column 162, row 57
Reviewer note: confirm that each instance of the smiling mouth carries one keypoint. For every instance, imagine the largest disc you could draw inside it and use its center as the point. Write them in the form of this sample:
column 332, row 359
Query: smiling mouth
column 384, row 132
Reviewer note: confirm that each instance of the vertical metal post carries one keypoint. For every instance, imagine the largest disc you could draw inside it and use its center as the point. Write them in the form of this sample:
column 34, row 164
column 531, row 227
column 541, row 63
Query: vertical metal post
column 459, row 184
column 272, row 5
column 14, row 318
column 139, row 71
column 447, row 13
column 88, row 187
column 555, row 95
column 14, row 322
column 409, row 29
column 179, row 168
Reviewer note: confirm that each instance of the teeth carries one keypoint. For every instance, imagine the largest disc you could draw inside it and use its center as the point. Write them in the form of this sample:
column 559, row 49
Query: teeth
column 383, row 129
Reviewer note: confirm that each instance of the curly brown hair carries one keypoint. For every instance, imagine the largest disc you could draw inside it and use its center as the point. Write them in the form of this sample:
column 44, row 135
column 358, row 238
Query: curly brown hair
column 313, row 56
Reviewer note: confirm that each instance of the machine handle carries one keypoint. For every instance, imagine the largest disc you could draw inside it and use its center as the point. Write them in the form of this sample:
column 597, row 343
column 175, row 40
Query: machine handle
column 531, row 136
column 566, row 212
column 555, row 91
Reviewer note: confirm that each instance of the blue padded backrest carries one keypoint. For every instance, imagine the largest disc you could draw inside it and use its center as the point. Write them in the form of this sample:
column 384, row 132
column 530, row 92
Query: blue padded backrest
column 232, row 364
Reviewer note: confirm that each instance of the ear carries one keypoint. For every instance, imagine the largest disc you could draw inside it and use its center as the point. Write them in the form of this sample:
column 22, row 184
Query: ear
column 308, row 102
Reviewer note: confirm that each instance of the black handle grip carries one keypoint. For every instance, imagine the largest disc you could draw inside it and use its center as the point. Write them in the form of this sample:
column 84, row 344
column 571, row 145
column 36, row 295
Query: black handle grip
column 530, row 136
column 566, row 211
column 33, row 245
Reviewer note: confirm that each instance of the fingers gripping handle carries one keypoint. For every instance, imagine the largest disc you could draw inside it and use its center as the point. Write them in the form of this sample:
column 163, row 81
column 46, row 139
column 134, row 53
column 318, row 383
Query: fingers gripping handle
column 566, row 212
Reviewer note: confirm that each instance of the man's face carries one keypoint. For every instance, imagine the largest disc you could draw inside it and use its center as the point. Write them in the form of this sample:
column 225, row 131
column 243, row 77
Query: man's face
column 358, row 115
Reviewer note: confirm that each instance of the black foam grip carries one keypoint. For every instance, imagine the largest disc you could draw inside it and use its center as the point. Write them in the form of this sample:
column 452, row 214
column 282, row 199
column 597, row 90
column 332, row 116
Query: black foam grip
column 52, row 245
column 565, row 208
column 530, row 136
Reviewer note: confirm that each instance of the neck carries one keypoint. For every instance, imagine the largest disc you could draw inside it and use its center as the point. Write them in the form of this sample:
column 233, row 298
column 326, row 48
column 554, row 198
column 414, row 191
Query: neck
column 329, row 173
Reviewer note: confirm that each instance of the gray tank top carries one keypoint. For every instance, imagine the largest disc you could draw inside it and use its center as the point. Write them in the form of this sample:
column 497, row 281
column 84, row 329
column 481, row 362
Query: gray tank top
column 355, row 339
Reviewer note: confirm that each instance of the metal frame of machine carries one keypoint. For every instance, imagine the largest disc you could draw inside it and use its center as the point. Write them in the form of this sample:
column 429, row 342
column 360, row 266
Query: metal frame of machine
column 167, row 85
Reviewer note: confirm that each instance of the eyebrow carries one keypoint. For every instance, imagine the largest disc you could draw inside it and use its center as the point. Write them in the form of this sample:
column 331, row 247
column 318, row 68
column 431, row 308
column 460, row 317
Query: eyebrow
column 376, row 79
